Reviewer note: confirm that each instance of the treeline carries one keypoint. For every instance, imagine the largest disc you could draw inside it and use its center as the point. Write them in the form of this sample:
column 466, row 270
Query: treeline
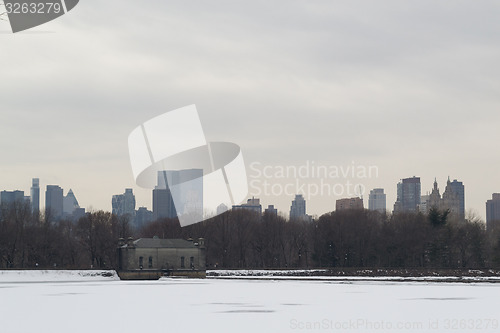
column 242, row 239
column 37, row 241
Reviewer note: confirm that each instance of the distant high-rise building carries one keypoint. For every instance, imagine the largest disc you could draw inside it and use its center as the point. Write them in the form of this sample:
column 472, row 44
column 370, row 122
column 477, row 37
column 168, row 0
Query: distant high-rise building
column 142, row 217
column 270, row 210
column 221, row 209
column 252, row 204
column 298, row 209
column 349, row 203
column 377, row 200
column 163, row 204
column 71, row 208
column 423, row 203
column 70, row 204
column 124, row 204
column 35, row 195
column 409, row 192
column 493, row 212
column 454, row 198
column 434, row 200
column 178, row 192
column 78, row 213
column 54, row 201
column 10, row 197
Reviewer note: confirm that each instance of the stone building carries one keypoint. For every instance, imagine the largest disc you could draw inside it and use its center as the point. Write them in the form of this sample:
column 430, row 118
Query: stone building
column 151, row 258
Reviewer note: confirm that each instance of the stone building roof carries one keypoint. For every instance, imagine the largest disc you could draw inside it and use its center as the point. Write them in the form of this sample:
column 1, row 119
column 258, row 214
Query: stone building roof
column 163, row 243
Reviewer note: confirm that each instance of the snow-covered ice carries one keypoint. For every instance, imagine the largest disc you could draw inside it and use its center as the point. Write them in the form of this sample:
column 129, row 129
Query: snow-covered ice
column 222, row 305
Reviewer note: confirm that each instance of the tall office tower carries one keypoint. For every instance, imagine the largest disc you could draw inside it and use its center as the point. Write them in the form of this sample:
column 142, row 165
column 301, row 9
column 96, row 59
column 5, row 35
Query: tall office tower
column 298, row 208
column 493, row 212
column 10, row 197
column 54, row 201
column 70, row 204
column 186, row 188
column 142, row 217
column 124, row 204
column 179, row 192
column 424, row 199
column 270, row 210
column 454, row 197
column 409, row 192
column 35, row 195
column 377, row 200
column 434, row 199
column 221, row 209
column 252, row 205
column 349, row 203
column 163, row 204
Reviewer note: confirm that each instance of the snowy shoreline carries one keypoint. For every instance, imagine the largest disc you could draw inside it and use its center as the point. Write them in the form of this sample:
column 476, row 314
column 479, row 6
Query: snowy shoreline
column 465, row 276
column 42, row 276
column 13, row 276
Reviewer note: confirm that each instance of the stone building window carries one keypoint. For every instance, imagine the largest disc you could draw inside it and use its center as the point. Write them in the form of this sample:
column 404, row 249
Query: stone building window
column 141, row 262
column 150, row 263
column 182, row 262
column 191, row 262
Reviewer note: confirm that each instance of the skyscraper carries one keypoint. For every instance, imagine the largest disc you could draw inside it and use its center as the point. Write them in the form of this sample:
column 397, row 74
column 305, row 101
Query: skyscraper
column 454, row 197
column 124, row 204
column 179, row 192
column 298, row 208
column 142, row 217
column 70, row 204
column 349, row 203
column 54, row 201
column 10, row 197
column 221, row 209
column 35, row 195
column 377, row 200
column 493, row 211
column 252, row 205
column 409, row 192
column 270, row 210
column 434, row 199
column 163, row 204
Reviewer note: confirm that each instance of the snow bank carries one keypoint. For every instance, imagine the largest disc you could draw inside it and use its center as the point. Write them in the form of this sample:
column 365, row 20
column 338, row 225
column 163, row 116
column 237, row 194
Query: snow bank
column 315, row 274
column 57, row 275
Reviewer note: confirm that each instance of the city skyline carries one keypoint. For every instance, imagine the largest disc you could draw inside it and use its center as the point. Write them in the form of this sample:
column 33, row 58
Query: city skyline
column 408, row 87
column 123, row 204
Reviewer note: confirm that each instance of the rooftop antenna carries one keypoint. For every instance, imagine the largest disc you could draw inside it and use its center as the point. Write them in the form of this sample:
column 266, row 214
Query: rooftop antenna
column 360, row 193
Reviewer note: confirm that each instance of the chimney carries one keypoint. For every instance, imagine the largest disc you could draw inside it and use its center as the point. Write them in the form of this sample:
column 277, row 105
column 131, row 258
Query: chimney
column 130, row 242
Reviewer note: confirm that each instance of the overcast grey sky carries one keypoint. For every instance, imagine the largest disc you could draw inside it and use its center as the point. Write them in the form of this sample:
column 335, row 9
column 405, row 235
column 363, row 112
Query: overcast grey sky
column 409, row 86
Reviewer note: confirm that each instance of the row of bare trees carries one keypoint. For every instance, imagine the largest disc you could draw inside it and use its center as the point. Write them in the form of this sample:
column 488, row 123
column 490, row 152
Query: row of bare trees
column 243, row 239
column 36, row 241
column 351, row 238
